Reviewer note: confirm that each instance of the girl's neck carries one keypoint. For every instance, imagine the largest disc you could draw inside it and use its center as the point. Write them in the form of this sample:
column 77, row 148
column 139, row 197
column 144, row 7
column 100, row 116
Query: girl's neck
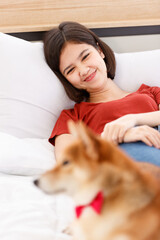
column 110, row 92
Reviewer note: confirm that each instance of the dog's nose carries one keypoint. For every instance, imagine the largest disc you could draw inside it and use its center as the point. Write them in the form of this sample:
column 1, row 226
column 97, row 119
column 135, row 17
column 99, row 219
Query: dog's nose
column 36, row 182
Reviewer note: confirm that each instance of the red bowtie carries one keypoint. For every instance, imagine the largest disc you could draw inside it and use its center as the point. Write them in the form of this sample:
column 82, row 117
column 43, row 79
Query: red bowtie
column 96, row 204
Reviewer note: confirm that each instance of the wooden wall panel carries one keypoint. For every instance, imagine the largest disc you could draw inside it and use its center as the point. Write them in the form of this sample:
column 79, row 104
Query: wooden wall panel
column 41, row 15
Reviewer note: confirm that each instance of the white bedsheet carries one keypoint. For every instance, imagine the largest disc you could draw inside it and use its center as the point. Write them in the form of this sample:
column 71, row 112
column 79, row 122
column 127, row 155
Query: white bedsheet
column 26, row 213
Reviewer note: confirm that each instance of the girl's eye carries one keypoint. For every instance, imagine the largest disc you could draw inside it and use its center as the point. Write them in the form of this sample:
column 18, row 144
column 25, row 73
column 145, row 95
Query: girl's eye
column 70, row 70
column 85, row 56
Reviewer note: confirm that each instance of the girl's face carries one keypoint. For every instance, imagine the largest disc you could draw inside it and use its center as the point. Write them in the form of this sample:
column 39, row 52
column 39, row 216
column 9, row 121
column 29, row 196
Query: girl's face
column 83, row 66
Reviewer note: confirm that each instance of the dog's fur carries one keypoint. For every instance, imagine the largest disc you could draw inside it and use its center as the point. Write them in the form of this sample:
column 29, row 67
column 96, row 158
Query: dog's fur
column 131, row 207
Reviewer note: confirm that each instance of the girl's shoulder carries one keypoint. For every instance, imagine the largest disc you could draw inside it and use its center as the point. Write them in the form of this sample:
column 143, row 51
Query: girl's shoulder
column 152, row 91
column 147, row 88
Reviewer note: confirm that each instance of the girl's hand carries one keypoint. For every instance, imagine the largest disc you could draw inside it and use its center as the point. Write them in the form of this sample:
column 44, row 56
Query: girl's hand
column 146, row 134
column 115, row 130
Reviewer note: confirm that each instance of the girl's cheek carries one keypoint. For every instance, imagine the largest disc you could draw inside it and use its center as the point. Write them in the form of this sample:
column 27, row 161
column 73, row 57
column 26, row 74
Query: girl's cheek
column 74, row 78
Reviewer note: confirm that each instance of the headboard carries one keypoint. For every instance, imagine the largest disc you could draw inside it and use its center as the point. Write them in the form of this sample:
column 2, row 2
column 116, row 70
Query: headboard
column 105, row 17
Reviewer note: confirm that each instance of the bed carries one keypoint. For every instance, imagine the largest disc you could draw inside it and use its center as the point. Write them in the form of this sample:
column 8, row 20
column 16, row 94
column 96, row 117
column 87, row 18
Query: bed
column 31, row 99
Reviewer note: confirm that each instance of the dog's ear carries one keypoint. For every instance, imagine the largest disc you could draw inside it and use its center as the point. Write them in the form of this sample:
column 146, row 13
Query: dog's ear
column 87, row 137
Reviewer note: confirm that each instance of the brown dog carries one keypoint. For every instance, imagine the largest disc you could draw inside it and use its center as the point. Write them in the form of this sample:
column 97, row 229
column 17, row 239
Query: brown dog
column 115, row 199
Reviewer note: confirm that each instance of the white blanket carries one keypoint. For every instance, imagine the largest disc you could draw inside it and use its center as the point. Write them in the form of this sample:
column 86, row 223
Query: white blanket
column 26, row 213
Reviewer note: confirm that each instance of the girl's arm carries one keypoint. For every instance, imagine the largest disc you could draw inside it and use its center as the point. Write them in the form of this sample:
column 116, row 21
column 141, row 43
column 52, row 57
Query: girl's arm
column 115, row 130
column 61, row 142
column 151, row 119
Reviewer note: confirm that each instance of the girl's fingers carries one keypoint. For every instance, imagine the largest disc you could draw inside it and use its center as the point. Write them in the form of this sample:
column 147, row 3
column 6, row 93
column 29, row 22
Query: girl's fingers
column 147, row 141
column 121, row 135
column 150, row 136
column 114, row 133
column 154, row 140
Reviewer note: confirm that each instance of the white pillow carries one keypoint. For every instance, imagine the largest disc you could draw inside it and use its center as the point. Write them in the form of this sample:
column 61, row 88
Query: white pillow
column 31, row 96
column 25, row 156
column 136, row 68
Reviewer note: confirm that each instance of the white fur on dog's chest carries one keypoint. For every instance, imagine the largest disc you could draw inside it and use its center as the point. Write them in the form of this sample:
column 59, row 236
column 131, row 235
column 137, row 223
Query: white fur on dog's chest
column 91, row 225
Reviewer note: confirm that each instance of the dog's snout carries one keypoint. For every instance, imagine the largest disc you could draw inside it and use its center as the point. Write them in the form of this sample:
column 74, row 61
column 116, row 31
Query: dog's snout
column 36, row 182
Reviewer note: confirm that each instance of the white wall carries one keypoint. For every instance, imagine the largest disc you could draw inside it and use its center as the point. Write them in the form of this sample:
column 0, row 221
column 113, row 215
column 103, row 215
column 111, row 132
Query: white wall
column 133, row 43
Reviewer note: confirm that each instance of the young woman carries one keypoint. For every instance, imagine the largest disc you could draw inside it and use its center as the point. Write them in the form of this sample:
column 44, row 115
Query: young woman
column 86, row 67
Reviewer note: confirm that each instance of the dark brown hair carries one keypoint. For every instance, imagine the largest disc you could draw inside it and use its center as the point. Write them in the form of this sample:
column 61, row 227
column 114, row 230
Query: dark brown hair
column 54, row 42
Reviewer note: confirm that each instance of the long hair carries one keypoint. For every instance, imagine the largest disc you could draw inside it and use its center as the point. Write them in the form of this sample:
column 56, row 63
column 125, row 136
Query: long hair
column 54, row 42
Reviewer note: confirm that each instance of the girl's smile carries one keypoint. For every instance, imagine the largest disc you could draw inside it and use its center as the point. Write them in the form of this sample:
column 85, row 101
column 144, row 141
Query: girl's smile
column 90, row 77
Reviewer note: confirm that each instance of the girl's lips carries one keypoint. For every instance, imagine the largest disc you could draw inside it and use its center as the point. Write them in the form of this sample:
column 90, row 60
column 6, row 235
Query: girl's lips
column 90, row 77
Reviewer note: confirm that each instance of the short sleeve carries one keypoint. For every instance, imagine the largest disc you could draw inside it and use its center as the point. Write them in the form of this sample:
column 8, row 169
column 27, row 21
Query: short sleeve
column 154, row 92
column 61, row 124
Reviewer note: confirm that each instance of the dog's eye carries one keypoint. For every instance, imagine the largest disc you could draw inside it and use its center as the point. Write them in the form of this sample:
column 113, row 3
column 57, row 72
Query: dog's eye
column 65, row 162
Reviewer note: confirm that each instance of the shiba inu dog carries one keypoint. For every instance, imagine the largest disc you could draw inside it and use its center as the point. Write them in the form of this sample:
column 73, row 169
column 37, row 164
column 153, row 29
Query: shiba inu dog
column 114, row 199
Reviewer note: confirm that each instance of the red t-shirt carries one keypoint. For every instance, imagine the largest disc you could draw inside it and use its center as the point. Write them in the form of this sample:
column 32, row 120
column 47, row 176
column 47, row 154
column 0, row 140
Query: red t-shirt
column 96, row 115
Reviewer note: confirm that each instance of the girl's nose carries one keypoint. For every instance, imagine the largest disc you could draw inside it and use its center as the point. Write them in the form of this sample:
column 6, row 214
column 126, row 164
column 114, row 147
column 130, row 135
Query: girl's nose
column 83, row 71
